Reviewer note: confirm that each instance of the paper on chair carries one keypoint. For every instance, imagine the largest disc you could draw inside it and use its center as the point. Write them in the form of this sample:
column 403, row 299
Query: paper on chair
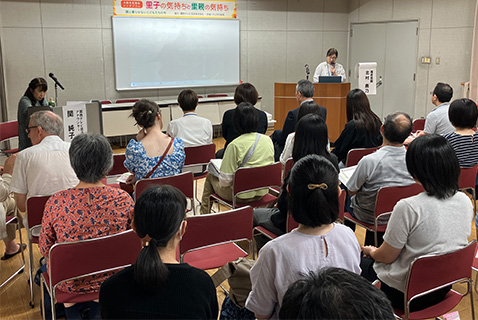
column 346, row 173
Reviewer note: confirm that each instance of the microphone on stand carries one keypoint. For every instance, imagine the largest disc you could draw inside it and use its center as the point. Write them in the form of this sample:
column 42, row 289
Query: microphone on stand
column 56, row 81
column 307, row 71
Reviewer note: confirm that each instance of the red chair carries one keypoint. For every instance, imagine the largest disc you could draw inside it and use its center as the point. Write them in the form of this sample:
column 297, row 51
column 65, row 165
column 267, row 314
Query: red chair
column 106, row 102
column 35, row 208
column 387, row 197
column 182, row 181
column 418, row 124
column 126, row 100
column 217, row 95
column 291, row 224
column 117, row 170
column 467, row 181
column 250, row 179
column 354, row 155
column 8, row 220
column 199, row 156
column 77, row 259
column 209, row 239
column 475, row 267
column 433, row 272
column 8, row 130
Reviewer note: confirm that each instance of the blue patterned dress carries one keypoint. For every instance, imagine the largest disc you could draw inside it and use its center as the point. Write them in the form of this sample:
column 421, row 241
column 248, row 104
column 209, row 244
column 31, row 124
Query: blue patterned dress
column 138, row 162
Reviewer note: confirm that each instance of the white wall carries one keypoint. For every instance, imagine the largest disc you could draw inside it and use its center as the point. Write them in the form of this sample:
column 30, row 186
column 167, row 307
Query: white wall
column 73, row 39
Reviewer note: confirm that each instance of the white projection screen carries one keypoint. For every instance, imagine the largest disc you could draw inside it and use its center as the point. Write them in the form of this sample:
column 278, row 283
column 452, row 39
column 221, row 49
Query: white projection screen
column 153, row 53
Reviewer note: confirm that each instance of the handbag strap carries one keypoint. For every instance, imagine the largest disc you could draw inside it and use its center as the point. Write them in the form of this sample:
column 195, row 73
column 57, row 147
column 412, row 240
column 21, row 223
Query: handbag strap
column 161, row 159
column 250, row 152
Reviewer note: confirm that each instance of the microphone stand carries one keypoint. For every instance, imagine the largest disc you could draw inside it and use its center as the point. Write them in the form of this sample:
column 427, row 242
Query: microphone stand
column 56, row 94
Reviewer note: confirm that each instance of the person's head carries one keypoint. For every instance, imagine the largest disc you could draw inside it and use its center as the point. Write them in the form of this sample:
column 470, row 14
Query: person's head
column 432, row 161
column 245, row 118
column 44, row 123
column 332, row 55
column 36, row 90
column 463, row 113
column 308, row 107
column 188, row 100
column 159, row 215
column 314, row 191
column 146, row 112
column 311, row 137
column 304, row 90
column 397, row 127
column 91, row 157
column 443, row 92
column 335, row 293
column 358, row 109
column 246, row 92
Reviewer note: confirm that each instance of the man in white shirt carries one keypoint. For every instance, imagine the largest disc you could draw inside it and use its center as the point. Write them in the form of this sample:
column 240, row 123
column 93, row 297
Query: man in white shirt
column 193, row 130
column 44, row 168
column 330, row 67
column 437, row 121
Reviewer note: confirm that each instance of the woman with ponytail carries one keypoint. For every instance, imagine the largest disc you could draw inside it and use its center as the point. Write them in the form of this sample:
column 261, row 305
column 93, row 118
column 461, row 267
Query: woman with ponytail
column 318, row 242
column 157, row 286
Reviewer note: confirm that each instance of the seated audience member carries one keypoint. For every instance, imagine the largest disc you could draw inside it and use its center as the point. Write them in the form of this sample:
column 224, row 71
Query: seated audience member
column 334, row 293
column 310, row 138
column 384, row 168
column 436, row 221
column 304, row 109
column 153, row 154
column 88, row 210
column 245, row 92
column 192, row 129
column 437, row 121
column 44, row 168
column 157, row 286
column 8, row 207
column 303, row 93
column 463, row 115
column 317, row 243
column 250, row 149
column 362, row 129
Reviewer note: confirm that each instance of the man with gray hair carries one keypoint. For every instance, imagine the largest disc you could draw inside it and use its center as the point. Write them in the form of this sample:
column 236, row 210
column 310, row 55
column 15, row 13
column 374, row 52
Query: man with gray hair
column 44, row 168
column 303, row 92
column 384, row 168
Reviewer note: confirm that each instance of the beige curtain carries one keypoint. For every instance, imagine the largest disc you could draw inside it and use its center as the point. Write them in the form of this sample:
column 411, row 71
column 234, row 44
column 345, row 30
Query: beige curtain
column 474, row 61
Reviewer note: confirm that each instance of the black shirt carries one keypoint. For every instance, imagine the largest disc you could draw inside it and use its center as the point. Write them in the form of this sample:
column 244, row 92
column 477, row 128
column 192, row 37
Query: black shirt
column 228, row 131
column 188, row 293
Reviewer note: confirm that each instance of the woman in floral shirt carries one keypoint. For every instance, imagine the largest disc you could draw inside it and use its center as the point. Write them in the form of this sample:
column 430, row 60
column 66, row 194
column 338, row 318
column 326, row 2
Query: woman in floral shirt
column 89, row 210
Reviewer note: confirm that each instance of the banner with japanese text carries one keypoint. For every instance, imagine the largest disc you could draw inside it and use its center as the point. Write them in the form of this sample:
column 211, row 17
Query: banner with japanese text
column 177, row 9
column 74, row 121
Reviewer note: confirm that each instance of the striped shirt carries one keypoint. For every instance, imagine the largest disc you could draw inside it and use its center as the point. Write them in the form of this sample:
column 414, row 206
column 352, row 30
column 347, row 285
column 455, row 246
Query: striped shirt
column 466, row 148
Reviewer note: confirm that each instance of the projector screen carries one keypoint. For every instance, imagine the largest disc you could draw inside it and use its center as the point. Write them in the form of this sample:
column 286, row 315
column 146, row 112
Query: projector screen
column 153, row 53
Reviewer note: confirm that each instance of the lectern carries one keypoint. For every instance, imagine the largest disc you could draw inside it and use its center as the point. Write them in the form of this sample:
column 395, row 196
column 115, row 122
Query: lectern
column 330, row 95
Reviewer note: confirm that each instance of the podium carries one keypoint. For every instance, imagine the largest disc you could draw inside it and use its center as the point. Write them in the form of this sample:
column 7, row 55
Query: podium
column 332, row 96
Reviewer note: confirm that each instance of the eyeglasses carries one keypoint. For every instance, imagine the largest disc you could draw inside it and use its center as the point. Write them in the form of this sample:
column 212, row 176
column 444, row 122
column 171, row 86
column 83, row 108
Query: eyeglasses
column 28, row 129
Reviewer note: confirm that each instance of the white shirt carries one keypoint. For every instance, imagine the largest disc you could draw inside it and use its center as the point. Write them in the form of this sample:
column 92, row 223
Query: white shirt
column 193, row 130
column 43, row 169
column 323, row 69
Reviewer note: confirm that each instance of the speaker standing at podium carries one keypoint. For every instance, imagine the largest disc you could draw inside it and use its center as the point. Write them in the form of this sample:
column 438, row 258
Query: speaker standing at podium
column 329, row 67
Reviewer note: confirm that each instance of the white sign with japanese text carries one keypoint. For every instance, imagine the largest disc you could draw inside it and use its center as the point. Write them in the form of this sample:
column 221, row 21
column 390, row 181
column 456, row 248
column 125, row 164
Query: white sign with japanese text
column 221, row 9
column 74, row 121
column 367, row 77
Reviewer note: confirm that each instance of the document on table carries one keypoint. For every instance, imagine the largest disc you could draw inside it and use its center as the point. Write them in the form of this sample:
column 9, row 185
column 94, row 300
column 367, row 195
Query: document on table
column 346, row 173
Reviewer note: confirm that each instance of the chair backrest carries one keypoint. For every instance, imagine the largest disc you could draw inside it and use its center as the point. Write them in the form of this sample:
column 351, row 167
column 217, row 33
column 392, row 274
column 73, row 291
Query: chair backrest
column 118, row 164
column 288, row 166
column 387, row 197
column 106, row 102
column 199, row 155
column 69, row 260
column 468, row 177
column 35, row 208
column 126, row 100
column 342, row 206
column 217, row 95
column 354, row 155
column 437, row 271
column 418, row 124
column 215, row 228
column 8, row 130
column 182, row 181
column 248, row 179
